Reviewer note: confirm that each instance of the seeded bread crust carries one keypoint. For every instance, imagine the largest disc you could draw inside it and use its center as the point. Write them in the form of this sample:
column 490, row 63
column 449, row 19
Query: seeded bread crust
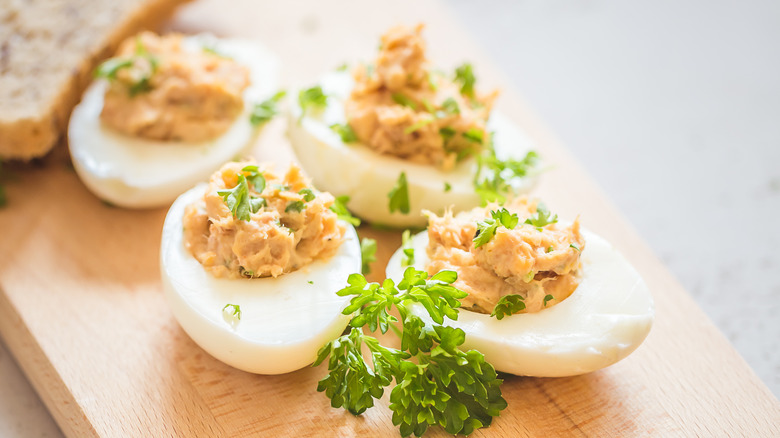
column 48, row 50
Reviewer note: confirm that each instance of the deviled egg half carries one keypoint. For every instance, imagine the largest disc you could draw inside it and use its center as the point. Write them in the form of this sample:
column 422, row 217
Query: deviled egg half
column 249, row 264
column 397, row 137
column 166, row 112
column 546, row 298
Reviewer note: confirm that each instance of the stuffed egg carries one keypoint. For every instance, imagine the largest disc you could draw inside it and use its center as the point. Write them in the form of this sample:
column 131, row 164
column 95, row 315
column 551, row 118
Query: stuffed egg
column 166, row 112
column 398, row 136
column 546, row 299
column 249, row 264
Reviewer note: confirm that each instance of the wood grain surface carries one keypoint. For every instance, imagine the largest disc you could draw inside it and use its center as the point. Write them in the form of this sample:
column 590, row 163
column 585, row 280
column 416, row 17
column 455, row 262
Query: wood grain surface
column 81, row 306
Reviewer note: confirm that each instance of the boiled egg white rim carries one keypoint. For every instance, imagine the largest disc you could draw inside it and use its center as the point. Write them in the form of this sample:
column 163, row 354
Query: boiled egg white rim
column 285, row 320
column 367, row 177
column 139, row 173
column 605, row 319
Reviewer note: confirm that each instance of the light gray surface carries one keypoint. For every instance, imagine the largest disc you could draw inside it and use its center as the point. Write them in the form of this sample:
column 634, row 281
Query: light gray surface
column 674, row 108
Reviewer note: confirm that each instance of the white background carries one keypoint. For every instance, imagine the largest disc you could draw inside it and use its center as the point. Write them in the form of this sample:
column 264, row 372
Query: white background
column 674, row 108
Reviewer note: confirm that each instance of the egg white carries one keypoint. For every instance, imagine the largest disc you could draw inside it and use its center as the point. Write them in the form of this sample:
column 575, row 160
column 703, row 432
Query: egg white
column 284, row 321
column 367, row 177
column 604, row 320
column 140, row 173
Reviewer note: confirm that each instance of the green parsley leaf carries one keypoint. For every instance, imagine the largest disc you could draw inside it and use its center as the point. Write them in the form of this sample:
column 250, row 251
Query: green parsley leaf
column 446, row 133
column 368, row 253
column 450, row 106
column 308, row 194
column 547, row 298
column 345, row 131
column 312, row 98
column 447, row 186
column 267, row 109
column 486, row 228
column 296, row 206
column 573, row 245
column 542, row 217
column 474, row 135
column 508, row 305
column 407, row 258
column 255, row 177
column 399, row 195
column 465, row 76
column 237, row 199
column 310, row 282
column 403, row 100
column 231, row 313
column 343, row 67
column 339, row 207
column 550, row 249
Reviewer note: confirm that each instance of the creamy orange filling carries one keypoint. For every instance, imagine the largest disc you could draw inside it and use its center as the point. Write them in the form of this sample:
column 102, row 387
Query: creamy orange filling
column 401, row 107
column 293, row 227
column 528, row 261
column 163, row 91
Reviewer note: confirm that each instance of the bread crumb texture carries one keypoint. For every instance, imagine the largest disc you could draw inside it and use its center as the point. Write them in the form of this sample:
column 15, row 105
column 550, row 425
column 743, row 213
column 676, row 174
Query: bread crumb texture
column 48, row 49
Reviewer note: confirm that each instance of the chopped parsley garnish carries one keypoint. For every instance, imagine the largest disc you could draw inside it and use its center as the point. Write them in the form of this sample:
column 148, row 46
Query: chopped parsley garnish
column 310, row 282
column 508, row 305
column 308, row 194
column 574, row 245
column 267, row 109
column 402, row 99
column 542, row 217
column 399, row 195
column 111, row 67
column 450, row 106
column 437, row 383
column 339, row 207
column 345, row 131
column 447, row 186
column 547, row 298
column 486, row 228
column 407, row 256
column 312, row 98
column 239, row 201
column 494, row 176
column 343, row 67
column 465, row 76
column 550, row 249
column 296, row 206
column 475, row 135
column 231, row 313
column 446, row 133
column 418, row 125
column 368, row 253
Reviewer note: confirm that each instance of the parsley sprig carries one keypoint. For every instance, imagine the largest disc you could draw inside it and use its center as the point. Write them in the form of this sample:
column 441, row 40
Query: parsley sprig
column 267, row 109
column 486, row 228
column 344, row 131
column 542, row 217
column 465, row 76
column 238, row 199
column 436, row 382
column 407, row 248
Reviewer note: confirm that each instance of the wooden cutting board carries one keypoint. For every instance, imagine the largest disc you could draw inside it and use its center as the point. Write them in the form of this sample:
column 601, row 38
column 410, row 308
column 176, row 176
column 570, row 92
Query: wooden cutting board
column 81, row 306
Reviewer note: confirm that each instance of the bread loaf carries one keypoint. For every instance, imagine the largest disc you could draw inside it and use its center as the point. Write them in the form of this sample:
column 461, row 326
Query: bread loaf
column 48, row 49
